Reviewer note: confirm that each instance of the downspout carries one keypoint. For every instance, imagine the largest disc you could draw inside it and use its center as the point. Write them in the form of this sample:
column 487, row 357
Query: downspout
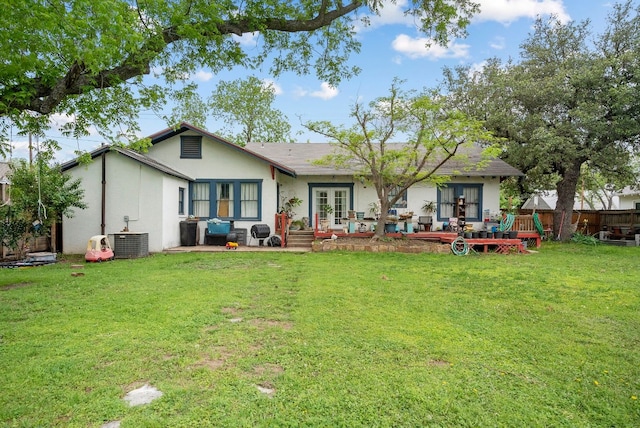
column 104, row 187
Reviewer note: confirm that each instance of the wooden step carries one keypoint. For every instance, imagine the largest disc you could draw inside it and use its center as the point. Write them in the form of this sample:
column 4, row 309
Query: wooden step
column 300, row 238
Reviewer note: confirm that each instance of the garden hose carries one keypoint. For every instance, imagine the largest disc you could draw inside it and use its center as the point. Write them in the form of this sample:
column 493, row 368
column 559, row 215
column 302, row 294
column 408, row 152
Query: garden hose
column 507, row 222
column 459, row 246
column 538, row 224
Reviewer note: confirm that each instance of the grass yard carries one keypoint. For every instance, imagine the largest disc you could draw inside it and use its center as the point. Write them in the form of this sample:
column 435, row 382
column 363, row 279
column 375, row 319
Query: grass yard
column 326, row 339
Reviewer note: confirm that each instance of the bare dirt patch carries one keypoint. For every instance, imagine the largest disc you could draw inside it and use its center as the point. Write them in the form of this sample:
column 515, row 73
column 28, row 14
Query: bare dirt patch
column 230, row 310
column 264, row 323
column 268, row 370
column 439, row 363
column 16, row 285
column 211, row 364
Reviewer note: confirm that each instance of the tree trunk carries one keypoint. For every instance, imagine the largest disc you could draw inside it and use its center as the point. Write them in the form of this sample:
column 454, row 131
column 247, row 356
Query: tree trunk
column 566, row 188
column 384, row 213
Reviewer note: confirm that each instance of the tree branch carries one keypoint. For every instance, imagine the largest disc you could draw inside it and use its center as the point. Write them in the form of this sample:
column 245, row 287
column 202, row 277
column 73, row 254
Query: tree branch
column 45, row 97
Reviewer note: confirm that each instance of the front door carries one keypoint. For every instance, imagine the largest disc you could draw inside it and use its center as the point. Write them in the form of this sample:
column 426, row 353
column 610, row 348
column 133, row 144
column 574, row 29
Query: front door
column 331, row 205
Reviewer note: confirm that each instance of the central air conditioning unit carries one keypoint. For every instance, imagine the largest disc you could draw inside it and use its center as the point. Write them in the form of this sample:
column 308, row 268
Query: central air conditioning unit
column 130, row 245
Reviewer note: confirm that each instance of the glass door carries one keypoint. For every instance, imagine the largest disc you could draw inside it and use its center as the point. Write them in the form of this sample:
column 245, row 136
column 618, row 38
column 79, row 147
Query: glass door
column 331, row 206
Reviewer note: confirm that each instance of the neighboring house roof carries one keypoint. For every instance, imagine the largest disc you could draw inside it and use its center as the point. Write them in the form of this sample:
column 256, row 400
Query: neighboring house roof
column 548, row 199
column 530, row 204
column 300, row 157
column 4, row 172
column 629, row 191
column 138, row 157
column 184, row 127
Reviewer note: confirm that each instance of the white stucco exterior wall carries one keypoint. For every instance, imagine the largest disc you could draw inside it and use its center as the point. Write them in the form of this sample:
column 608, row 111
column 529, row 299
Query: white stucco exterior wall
column 363, row 195
column 77, row 230
column 221, row 162
column 147, row 196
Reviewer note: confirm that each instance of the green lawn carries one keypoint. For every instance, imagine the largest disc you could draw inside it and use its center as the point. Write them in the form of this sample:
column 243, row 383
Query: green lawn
column 343, row 339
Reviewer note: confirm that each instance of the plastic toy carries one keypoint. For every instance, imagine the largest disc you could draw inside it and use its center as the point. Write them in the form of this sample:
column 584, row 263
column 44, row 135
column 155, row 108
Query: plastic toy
column 99, row 249
column 232, row 245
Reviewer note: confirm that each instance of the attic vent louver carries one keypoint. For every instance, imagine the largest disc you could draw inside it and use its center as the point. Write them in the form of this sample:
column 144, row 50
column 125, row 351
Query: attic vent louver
column 191, row 147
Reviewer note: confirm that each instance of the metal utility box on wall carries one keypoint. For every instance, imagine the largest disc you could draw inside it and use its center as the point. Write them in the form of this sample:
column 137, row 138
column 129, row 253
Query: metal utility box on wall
column 130, row 245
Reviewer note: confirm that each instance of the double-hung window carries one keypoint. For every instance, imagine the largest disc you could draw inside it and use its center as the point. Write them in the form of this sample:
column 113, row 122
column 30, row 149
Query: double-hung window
column 400, row 203
column 227, row 199
column 181, row 200
column 448, row 198
column 200, row 199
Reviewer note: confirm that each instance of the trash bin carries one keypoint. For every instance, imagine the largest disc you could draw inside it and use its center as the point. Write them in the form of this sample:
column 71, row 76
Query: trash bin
column 188, row 233
column 242, row 236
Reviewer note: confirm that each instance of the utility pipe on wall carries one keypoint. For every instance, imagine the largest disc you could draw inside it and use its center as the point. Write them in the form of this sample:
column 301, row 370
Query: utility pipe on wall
column 104, row 188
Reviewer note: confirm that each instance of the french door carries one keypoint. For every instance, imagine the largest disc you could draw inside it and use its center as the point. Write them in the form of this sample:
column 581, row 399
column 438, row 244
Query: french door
column 331, row 205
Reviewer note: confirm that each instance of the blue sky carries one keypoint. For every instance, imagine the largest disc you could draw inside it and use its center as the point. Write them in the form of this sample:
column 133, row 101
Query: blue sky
column 391, row 47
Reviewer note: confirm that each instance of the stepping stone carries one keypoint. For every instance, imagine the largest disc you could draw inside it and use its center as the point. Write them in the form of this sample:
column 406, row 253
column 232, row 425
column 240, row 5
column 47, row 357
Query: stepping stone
column 143, row 395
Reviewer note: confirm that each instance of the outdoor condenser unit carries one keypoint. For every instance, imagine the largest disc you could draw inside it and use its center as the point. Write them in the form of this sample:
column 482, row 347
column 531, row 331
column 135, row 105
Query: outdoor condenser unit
column 130, row 245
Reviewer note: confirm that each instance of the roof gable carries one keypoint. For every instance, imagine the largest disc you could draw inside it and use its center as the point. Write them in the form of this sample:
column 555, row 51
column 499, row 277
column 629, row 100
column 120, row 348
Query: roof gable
column 138, row 157
column 184, row 127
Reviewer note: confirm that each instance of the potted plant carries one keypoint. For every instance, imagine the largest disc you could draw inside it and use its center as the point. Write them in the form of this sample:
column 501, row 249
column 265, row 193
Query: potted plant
column 290, row 204
column 325, row 210
column 297, row 225
column 374, row 210
column 429, row 207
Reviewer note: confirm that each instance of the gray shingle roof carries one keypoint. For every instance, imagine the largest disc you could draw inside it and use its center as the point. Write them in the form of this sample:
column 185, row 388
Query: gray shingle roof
column 300, row 157
column 139, row 157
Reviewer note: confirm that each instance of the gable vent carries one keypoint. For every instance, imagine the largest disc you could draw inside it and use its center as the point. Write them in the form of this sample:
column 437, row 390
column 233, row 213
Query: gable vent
column 191, row 147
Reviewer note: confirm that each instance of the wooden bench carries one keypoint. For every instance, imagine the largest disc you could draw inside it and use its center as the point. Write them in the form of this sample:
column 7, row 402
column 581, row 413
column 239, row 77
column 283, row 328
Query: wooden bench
column 526, row 228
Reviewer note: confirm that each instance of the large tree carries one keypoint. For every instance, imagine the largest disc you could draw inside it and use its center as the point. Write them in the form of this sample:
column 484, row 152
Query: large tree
column 568, row 102
column 40, row 196
column 86, row 58
column 245, row 106
column 434, row 135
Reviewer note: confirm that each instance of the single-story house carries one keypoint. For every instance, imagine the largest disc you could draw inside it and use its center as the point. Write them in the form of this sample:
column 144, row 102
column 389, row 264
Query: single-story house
column 188, row 172
column 629, row 198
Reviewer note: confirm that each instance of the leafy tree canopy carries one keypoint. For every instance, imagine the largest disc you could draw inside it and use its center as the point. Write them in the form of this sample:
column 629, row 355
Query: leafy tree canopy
column 39, row 195
column 86, row 58
column 567, row 103
column 247, row 105
column 434, row 135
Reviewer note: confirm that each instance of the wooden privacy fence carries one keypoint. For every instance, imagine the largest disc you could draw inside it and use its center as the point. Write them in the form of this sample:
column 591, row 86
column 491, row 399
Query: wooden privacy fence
column 589, row 222
column 41, row 243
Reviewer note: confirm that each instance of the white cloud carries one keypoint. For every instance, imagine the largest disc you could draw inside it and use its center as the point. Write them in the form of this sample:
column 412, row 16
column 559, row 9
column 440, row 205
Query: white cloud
column 477, row 67
column 508, row 11
column 498, row 43
column 300, row 92
column 202, row 76
column 326, row 92
column 417, row 48
column 247, row 39
column 58, row 120
column 503, row 11
column 268, row 83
